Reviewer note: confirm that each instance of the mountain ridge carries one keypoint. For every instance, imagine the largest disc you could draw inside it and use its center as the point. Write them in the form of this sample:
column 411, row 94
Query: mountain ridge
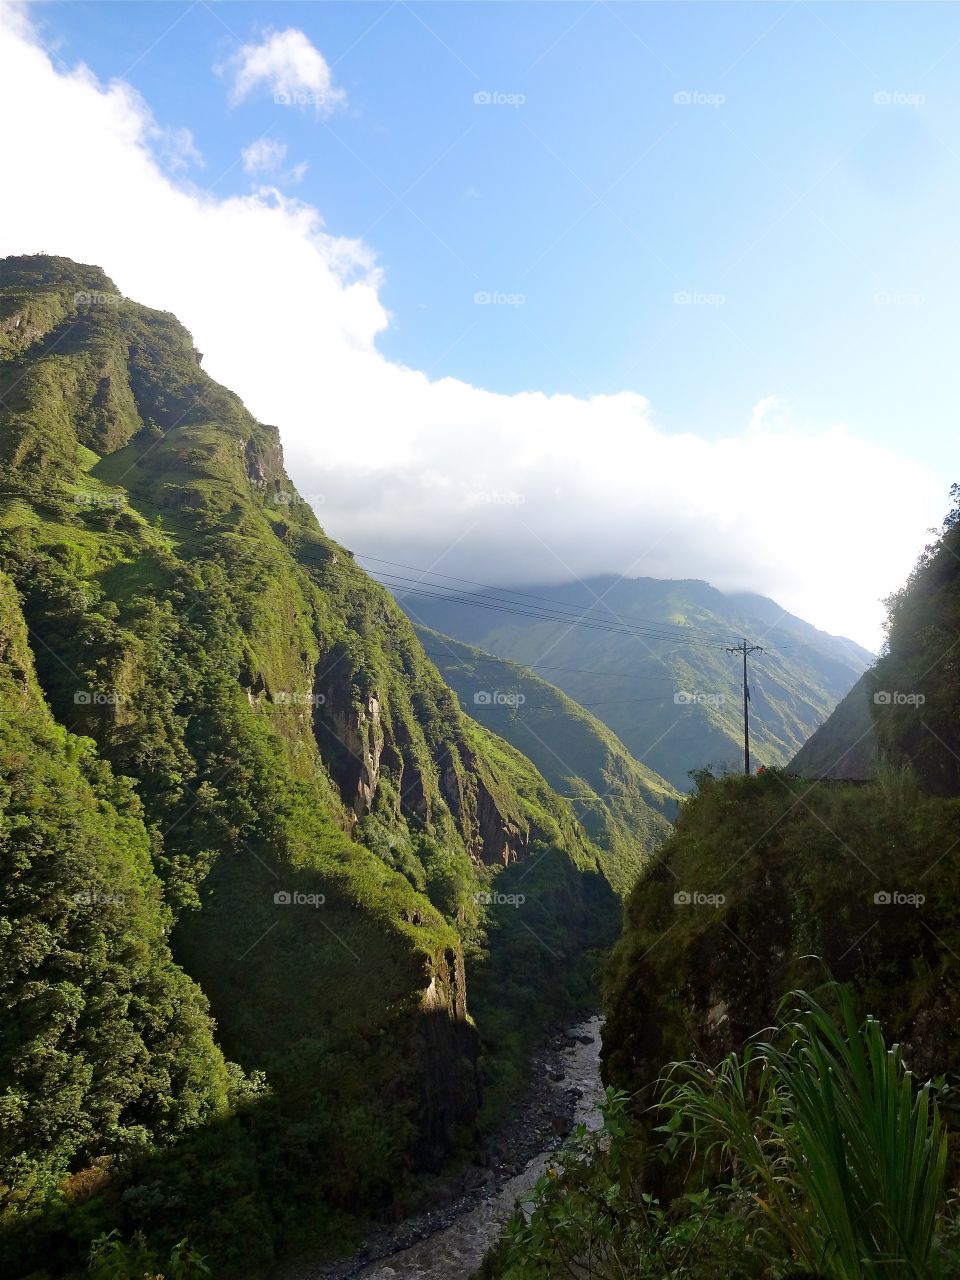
column 623, row 805
column 323, row 826
column 641, row 632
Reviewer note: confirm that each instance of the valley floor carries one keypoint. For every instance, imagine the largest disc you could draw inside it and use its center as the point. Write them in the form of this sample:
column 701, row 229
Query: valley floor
column 452, row 1243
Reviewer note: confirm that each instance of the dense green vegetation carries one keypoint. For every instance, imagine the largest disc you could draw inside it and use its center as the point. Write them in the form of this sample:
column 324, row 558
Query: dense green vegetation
column 765, row 871
column 629, row 673
column 904, row 709
column 917, row 680
column 294, row 992
column 624, row 806
column 815, row 1148
column 107, row 1044
column 822, row 1147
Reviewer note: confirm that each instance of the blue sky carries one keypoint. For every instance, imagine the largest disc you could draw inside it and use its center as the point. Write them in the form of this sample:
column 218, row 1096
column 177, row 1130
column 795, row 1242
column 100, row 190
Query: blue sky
column 546, row 290
column 799, row 199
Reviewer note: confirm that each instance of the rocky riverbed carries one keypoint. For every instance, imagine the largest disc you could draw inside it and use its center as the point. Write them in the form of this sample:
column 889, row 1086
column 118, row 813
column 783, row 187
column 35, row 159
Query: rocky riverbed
column 450, row 1242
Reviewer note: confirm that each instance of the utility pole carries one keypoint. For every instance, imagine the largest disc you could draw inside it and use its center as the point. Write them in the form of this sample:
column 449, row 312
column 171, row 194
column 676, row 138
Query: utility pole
column 744, row 648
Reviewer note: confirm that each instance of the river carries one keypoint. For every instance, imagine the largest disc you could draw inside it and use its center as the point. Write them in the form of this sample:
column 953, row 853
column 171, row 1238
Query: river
column 458, row 1248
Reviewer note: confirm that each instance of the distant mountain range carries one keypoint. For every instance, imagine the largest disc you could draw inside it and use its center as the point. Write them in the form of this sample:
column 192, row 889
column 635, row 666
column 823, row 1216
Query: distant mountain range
column 648, row 657
column 625, row 807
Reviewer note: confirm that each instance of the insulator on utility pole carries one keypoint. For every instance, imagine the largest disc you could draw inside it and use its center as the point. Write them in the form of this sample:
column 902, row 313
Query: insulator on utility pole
column 744, row 649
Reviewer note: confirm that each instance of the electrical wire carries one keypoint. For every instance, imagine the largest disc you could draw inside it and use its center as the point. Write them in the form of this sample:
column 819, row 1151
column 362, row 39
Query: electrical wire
column 681, row 627
column 536, row 669
column 564, row 620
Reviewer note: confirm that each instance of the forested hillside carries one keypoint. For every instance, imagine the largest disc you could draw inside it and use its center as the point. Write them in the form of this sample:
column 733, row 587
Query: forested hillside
column 649, row 659
column 863, row 877
column 256, row 985
column 626, row 808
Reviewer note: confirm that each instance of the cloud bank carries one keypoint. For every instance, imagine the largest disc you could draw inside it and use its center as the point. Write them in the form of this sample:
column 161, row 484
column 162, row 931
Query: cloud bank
column 435, row 472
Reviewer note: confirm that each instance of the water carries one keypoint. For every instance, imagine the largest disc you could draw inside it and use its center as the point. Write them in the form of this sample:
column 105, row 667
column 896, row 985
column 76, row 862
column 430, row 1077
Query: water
column 457, row 1250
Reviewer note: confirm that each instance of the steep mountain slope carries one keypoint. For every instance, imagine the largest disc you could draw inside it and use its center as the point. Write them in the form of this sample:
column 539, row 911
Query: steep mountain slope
column 622, row 804
column 845, row 745
column 106, row 1041
column 916, row 708
column 311, row 821
column 651, row 663
column 762, row 874
column 904, row 710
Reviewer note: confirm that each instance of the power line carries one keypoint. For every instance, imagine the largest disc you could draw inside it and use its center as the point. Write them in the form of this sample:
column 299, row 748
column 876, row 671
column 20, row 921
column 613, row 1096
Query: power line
column 536, row 668
column 642, row 628
column 444, row 593
column 745, row 649
column 637, row 632
column 457, row 596
column 682, row 627
column 788, row 646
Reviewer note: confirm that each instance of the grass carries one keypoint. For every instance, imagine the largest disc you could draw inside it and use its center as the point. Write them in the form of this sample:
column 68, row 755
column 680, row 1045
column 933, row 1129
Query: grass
column 812, row 1153
column 843, row 1152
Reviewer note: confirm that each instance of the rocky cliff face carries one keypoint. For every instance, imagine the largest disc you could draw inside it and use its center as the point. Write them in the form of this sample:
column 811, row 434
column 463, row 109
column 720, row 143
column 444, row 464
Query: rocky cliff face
column 493, row 837
column 449, row 1099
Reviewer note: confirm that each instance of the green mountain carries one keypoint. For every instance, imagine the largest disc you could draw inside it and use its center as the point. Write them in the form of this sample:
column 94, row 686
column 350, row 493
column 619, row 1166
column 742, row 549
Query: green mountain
column 277, row 920
column 762, row 874
column 626, row 809
column 648, row 657
column 783, row 1009
column 917, row 679
column 845, row 745
column 903, row 712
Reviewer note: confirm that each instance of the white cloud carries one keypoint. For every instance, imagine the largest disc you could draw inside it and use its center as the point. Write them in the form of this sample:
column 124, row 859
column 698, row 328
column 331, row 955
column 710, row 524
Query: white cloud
column 263, row 156
column 293, row 69
column 768, row 412
column 501, row 488
column 176, row 148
